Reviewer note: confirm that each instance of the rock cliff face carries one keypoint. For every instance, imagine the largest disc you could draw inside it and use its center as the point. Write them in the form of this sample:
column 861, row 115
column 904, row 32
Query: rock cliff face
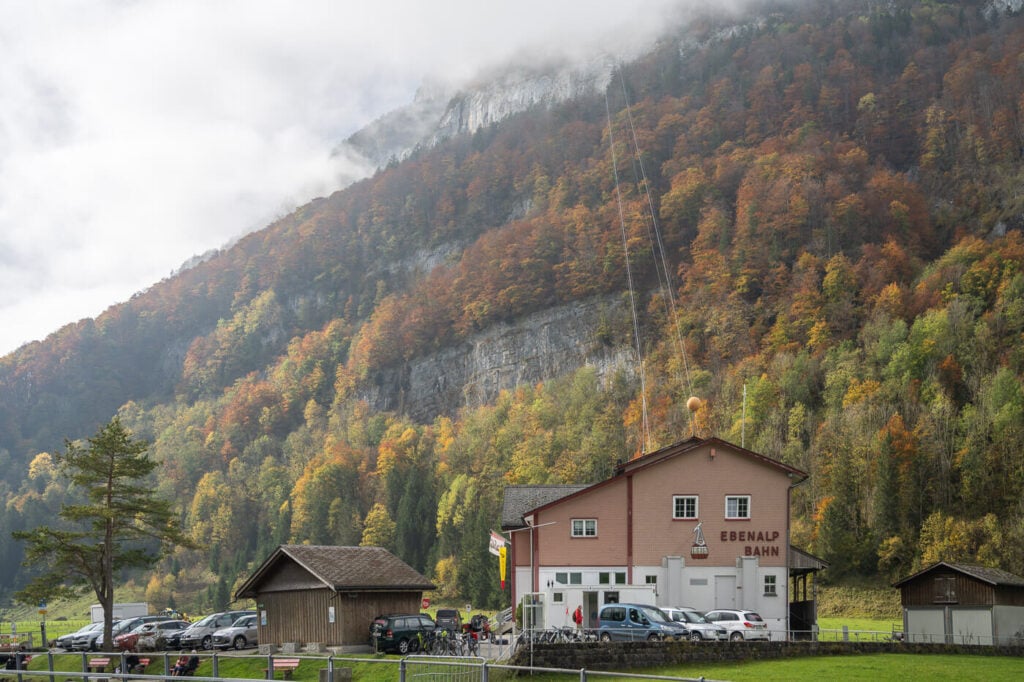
column 538, row 347
column 437, row 114
column 517, row 91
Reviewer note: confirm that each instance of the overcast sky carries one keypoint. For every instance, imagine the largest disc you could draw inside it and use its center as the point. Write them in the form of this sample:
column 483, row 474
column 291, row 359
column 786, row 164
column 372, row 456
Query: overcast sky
column 135, row 134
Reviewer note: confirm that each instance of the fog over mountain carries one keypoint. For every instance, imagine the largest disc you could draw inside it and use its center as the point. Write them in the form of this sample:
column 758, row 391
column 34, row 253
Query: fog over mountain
column 134, row 136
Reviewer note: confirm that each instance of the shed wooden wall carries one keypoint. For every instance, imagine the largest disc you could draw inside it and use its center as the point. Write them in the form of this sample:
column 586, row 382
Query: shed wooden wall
column 302, row 615
column 922, row 590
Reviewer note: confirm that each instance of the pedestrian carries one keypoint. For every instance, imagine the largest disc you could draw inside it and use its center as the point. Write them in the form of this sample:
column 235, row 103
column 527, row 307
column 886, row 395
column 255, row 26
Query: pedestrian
column 577, row 617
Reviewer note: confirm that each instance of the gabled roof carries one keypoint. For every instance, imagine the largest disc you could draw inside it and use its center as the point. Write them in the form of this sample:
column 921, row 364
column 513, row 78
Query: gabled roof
column 992, row 576
column 341, row 568
column 521, row 499
column 693, row 443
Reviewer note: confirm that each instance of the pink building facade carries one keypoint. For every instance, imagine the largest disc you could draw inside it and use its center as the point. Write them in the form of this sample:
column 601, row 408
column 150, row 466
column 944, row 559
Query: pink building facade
column 701, row 524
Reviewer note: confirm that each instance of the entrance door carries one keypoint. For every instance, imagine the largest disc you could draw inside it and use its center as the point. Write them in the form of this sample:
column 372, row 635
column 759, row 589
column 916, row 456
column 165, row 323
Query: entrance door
column 590, row 610
column 725, row 591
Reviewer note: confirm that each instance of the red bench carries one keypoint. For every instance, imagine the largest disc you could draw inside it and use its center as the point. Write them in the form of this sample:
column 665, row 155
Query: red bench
column 286, row 665
column 99, row 663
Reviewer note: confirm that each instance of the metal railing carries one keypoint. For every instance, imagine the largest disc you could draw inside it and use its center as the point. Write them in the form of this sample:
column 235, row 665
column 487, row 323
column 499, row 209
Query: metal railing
column 410, row 668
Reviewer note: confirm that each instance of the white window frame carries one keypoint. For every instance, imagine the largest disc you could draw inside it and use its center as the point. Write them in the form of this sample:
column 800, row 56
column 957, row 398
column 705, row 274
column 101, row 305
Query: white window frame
column 696, row 507
column 771, row 585
column 736, row 516
column 583, row 528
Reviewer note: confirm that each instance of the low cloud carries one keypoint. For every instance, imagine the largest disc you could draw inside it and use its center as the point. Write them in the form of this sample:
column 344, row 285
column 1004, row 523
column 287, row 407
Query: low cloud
column 136, row 134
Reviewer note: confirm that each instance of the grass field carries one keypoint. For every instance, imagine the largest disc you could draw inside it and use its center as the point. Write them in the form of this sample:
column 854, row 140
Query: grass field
column 873, row 667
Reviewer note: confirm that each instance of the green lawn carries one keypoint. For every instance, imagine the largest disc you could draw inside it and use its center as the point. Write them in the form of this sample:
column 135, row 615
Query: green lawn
column 873, row 667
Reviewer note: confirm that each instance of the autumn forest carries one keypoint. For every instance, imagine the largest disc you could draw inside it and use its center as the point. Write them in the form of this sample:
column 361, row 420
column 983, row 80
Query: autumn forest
column 821, row 214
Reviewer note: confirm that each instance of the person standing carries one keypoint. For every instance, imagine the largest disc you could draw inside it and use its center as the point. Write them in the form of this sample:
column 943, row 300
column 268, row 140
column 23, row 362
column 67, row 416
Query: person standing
column 577, row 617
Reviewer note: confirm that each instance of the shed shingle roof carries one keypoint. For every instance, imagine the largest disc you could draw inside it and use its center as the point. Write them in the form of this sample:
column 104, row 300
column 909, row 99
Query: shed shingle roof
column 343, row 568
column 992, row 576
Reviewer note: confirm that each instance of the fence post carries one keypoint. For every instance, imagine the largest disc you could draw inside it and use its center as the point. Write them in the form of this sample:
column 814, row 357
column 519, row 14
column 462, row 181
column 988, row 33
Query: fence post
column 216, row 665
column 401, row 670
column 49, row 664
column 483, row 672
column 270, row 666
column 846, row 633
column 330, row 668
column 583, row 675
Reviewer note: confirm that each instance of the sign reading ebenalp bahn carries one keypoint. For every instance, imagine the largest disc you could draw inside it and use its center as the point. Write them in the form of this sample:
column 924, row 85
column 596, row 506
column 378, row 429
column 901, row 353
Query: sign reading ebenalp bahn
column 769, row 540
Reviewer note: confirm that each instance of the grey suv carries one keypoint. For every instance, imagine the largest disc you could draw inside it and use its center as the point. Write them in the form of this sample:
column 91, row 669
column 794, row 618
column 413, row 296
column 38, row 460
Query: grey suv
column 199, row 635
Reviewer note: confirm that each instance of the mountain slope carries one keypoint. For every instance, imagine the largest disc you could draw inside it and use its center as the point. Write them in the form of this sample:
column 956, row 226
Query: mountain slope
column 838, row 224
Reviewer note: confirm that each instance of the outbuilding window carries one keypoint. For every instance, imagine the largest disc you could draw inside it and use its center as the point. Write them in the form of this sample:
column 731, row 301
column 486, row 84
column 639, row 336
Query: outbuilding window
column 945, row 589
column 770, row 587
column 584, row 528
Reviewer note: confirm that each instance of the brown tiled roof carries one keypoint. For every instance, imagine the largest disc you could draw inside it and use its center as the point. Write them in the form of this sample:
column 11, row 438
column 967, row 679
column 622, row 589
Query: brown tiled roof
column 344, row 568
column 520, row 499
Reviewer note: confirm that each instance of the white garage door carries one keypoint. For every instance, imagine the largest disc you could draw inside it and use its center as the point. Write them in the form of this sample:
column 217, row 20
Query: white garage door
column 972, row 626
column 925, row 625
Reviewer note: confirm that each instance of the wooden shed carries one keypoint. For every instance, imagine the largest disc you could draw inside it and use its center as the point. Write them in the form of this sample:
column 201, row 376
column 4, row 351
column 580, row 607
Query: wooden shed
column 329, row 595
column 962, row 604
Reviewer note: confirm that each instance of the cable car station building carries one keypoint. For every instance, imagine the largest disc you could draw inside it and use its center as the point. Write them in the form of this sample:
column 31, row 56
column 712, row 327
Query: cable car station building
column 702, row 523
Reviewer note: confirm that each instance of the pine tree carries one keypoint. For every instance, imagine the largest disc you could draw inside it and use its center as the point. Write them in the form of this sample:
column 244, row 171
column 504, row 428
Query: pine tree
column 114, row 529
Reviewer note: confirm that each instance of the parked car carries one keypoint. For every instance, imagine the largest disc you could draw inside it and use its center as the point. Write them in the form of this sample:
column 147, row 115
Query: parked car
column 741, row 624
column 400, row 632
column 126, row 641
column 240, row 635
column 67, row 641
column 85, row 639
column 636, row 622
column 122, row 626
column 162, row 636
column 697, row 627
column 449, row 619
column 200, row 634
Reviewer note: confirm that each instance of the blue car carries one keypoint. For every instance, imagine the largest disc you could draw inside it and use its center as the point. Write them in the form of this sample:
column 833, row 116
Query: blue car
column 636, row 622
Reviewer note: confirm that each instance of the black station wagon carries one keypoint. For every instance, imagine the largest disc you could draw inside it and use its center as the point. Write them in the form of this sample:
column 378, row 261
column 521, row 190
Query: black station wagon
column 400, row 632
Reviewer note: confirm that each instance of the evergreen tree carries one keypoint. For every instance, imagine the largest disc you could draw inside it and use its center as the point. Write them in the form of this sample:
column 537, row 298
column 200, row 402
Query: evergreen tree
column 113, row 530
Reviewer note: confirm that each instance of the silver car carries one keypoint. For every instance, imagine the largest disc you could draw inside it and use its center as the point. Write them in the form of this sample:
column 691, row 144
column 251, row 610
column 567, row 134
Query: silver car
column 240, row 635
column 697, row 628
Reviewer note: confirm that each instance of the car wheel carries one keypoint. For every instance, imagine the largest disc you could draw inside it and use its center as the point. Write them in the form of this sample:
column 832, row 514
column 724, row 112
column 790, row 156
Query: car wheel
column 605, row 637
column 239, row 642
column 654, row 637
column 695, row 636
column 414, row 645
column 403, row 646
column 207, row 643
column 736, row 636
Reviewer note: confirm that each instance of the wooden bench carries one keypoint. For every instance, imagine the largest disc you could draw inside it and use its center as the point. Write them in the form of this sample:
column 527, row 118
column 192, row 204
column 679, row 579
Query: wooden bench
column 99, row 663
column 141, row 666
column 286, row 665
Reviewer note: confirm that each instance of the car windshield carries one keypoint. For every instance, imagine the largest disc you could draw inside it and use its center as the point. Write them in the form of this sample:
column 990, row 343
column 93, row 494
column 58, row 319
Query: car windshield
column 692, row 617
column 655, row 615
column 206, row 622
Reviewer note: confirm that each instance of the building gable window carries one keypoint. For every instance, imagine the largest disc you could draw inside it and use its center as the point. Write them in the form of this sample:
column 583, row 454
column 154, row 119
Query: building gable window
column 684, row 507
column 945, row 589
column 737, row 506
column 584, row 528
